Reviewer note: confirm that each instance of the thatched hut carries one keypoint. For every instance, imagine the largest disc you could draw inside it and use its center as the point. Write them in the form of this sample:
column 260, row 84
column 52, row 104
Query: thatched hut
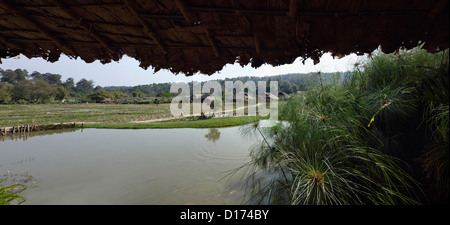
column 282, row 95
column 270, row 96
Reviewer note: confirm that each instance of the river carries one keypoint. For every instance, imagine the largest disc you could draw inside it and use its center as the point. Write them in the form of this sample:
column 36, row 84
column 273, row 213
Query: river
column 127, row 166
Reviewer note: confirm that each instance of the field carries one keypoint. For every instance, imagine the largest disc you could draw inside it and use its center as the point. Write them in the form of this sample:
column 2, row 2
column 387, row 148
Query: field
column 107, row 116
column 12, row 115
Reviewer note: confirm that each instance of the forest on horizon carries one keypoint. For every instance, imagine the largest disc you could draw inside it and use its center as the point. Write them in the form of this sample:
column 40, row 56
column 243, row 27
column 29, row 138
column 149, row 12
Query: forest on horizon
column 21, row 87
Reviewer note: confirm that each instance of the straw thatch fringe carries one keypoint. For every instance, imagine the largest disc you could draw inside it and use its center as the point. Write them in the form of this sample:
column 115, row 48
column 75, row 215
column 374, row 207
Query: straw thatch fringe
column 190, row 36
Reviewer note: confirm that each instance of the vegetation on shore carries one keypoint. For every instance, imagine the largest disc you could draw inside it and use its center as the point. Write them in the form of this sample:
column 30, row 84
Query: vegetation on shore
column 191, row 122
column 11, row 193
column 12, row 185
column 379, row 136
column 20, row 87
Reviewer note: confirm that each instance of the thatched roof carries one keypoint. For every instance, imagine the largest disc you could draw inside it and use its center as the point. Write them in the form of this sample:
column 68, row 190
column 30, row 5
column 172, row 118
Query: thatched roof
column 283, row 95
column 192, row 36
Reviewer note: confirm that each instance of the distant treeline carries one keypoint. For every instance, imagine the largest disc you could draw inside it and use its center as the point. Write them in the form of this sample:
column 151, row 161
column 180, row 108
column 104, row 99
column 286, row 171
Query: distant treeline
column 289, row 83
column 19, row 86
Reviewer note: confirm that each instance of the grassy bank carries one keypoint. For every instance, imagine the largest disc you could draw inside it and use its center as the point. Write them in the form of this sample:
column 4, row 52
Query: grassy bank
column 179, row 123
column 120, row 116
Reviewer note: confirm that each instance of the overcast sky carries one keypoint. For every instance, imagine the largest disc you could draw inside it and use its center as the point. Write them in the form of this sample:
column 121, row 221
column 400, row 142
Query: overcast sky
column 127, row 72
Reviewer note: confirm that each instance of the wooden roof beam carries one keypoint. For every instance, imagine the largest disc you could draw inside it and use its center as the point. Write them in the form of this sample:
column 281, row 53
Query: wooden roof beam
column 212, row 43
column 188, row 17
column 437, row 8
column 293, row 8
column 53, row 6
column 147, row 30
column 257, row 45
column 4, row 41
column 41, row 28
column 87, row 27
column 184, row 10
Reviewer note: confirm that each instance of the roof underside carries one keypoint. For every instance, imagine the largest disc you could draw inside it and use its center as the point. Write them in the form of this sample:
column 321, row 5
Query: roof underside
column 190, row 36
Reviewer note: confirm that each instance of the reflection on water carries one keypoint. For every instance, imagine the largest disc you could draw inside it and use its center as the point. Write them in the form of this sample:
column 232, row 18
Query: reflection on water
column 112, row 166
column 213, row 134
column 25, row 135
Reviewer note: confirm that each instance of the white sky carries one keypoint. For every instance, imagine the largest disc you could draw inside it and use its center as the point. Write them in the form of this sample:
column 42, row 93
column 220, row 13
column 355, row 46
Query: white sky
column 127, row 72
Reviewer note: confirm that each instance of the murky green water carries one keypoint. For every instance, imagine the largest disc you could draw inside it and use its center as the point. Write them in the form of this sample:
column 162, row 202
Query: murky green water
column 112, row 166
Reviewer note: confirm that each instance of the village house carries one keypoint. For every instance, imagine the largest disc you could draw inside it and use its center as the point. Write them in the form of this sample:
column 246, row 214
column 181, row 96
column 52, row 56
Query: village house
column 282, row 95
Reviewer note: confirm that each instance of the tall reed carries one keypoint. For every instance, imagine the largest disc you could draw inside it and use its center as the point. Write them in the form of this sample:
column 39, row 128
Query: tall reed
column 348, row 141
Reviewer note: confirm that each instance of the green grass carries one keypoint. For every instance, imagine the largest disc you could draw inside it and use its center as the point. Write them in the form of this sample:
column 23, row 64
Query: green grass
column 360, row 140
column 118, row 116
column 39, row 114
column 10, row 193
column 124, row 116
column 180, row 123
column 104, row 115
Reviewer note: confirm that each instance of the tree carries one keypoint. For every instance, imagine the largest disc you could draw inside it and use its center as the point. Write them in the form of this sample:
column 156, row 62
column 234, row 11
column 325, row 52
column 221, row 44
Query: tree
column 53, row 79
column 118, row 94
column 33, row 90
column 61, row 93
column 85, row 86
column 164, row 94
column 137, row 93
column 42, row 91
column 22, row 90
column 99, row 95
column 286, row 86
column 37, row 75
column 69, row 84
column 12, row 77
column 5, row 96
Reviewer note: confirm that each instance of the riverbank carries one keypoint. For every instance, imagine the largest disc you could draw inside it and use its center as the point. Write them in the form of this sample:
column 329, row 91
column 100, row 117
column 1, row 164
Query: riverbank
column 190, row 122
column 111, row 116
